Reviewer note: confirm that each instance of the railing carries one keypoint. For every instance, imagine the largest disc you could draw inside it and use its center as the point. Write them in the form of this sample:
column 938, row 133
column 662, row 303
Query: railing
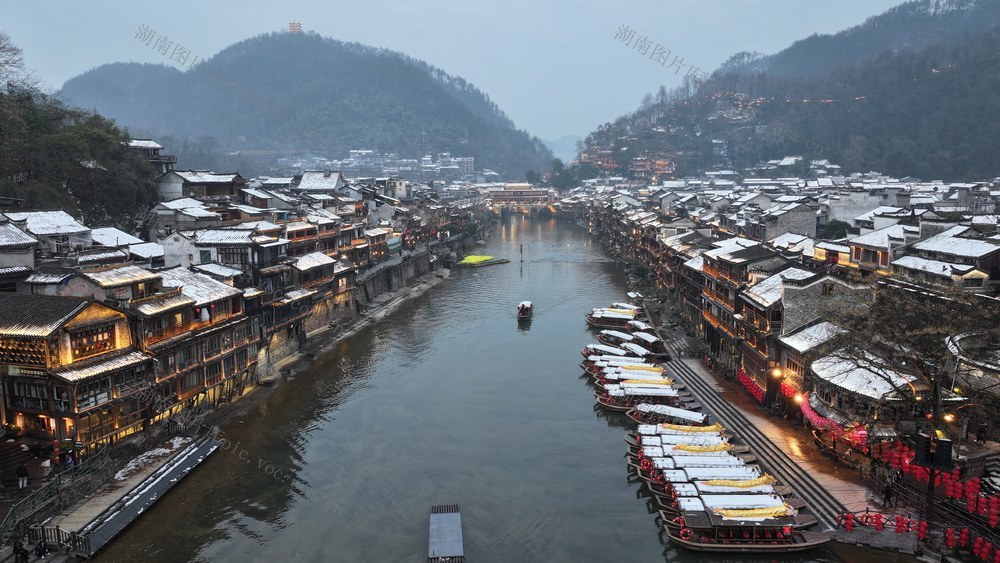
column 717, row 323
column 62, row 490
column 718, row 297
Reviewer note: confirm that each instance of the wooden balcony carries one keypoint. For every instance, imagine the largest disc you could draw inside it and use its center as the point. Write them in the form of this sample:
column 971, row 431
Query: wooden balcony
column 717, row 323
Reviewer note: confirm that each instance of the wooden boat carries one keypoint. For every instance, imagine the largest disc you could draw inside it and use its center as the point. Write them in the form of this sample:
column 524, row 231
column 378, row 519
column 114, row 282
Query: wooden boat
column 628, row 374
column 605, row 350
column 614, row 337
column 622, row 397
column 653, row 343
column 444, row 543
column 636, row 325
column 634, row 297
column 596, row 363
column 476, row 261
column 650, row 413
column 738, row 524
column 609, row 319
column 525, row 309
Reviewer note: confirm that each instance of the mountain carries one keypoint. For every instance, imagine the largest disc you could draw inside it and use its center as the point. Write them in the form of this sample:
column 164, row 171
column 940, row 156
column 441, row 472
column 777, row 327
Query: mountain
column 912, row 26
column 564, row 148
column 303, row 93
column 928, row 110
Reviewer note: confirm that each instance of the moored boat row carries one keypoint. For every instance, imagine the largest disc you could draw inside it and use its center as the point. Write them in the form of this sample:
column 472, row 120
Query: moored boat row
column 710, row 493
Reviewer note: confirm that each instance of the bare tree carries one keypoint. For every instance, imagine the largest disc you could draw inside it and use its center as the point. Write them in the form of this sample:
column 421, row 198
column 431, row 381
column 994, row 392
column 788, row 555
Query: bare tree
column 900, row 330
column 11, row 61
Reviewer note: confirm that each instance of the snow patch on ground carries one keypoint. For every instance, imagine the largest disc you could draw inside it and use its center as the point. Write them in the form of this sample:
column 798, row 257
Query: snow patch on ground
column 152, row 456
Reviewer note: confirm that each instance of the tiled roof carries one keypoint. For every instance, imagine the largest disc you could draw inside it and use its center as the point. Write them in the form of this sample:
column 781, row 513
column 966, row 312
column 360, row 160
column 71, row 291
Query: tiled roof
column 36, row 315
column 49, row 222
column 110, row 236
column 146, row 250
column 122, row 276
column 100, row 365
column 203, row 289
column 205, row 177
column 313, row 260
column 162, row 304
column 225, row 236
column 12, row 236
column 43, row 278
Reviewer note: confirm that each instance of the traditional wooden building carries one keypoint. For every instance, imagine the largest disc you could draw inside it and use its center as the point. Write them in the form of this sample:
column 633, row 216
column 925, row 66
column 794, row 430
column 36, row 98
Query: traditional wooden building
column 70, row 370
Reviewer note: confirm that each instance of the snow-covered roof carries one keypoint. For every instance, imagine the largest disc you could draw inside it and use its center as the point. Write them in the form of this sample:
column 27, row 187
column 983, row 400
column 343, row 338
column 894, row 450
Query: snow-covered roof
column 49, row 222
column 48, row 278
column 100, row 366
column 811, row 337
column 882, row 237
column 883, row 210
column 205, row 177
column 110, row 236
column 144, row 144
column 313, row 260
column 218, row 270
column 935, row 267
column 862, row 376
column 110, row 256
column 182, row 203
column 696, row 263
column 769, row 291
column 320, row 180
column 120, row 276
column 146, row 250
column 11, row 236
column 950, row 242
column 225, row 237
column 203, row 289
column 262, row 226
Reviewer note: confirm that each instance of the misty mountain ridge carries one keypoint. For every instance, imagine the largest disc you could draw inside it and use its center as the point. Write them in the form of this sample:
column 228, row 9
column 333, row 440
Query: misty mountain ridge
column 300, row 92
column 928, row 112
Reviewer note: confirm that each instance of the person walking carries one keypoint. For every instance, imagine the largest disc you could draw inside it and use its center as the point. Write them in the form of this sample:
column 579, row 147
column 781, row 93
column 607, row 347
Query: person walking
column 22, row 476
column 889, row 492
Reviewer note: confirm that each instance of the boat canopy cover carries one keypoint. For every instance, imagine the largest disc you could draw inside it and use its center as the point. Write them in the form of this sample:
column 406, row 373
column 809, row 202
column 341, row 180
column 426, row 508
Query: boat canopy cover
column 743, row 501
column 645, row 336
column 717, row 489
column 671, row 450
column 634, row 295
column 606, row 349
column 696, row 461
column 687, row 439
column 610, row 315
column 618, row 334
column 616, row 390
column 690, row 504
column 671, row 411
column 709, row 473
column 618, row 361
column 617, row 374
column 524, row 304
column 639, row 325
column 635, row 349
column 628, row 306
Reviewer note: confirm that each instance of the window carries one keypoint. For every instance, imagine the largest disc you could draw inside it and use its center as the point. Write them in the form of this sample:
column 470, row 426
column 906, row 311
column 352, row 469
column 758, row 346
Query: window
column 92, row 342
column 31, row 395
column 204, row 256
column 93, row 393
column 211, row 346
column 192, row 379
column 186, row 357
column 213, row 372
column 973, row 282
column 827, row 288
column 128, row 381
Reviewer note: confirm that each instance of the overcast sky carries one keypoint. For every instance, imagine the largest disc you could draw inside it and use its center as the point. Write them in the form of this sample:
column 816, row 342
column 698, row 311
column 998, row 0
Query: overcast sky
column 554, row 66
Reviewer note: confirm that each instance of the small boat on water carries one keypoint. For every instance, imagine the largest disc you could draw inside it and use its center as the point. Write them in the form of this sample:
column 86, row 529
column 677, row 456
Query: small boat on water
column 622, row 397
column 648, row 413
column 639, row 326
column 478, row 261
column 605, row 350
column 634, row 297
column 525, row 309
column 444, row 544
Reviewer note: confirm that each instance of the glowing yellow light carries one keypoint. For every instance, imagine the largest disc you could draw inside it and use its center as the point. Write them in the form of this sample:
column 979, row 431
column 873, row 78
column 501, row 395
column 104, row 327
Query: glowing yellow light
column 949, row 417
column 798, row 398
column 776, row 372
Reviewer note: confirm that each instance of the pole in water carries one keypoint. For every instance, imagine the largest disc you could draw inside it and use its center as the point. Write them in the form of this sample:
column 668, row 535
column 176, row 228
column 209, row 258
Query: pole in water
column 522, row 253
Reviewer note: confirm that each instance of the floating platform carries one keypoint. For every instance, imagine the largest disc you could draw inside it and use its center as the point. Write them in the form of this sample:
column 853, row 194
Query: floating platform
column 444, row 543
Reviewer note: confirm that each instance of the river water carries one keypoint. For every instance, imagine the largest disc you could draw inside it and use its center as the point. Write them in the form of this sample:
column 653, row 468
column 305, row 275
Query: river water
column 446, row 401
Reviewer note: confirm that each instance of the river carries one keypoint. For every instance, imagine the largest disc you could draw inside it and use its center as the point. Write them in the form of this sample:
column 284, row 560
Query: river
column 446, row 401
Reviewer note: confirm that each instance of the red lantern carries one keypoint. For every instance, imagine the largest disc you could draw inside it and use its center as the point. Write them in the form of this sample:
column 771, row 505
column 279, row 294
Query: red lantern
column 879, row 522
column 949, row 538
column 963, row 537
column 900, row 524
column 922, row 531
